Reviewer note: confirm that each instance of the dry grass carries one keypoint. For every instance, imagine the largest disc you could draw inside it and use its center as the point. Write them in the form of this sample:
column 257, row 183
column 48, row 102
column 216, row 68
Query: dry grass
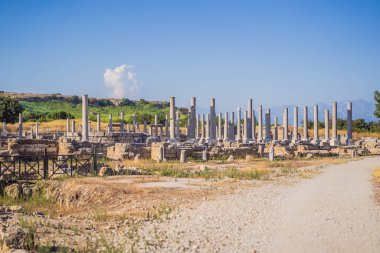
column 376, row 182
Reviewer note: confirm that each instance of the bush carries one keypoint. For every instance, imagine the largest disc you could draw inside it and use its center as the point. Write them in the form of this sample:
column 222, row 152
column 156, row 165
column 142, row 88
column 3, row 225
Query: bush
column 9, row 109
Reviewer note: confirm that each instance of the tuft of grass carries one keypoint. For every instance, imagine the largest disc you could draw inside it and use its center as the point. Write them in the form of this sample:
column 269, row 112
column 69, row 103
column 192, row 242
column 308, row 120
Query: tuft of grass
column 376, row 174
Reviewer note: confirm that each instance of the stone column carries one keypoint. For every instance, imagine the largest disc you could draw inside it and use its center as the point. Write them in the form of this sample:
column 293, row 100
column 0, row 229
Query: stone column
column 203, row 128
column 275, row 134
column 246, row 123
column 133, row 123
column 349, row 124
column 248, row 135
column 73, row 126
column 305, row 124
column 226, row 126
column 84, row 118
column 327, row 135
column 37, row 131
column 295, row 124
column 260, row 118
column 182, row 158
column 285, row 124
column 238, row 125
column 253, row 126
column 177, row 132
column 98, row 122
column 31, row 133
column 207, row 127
column 20, row 125
column 232, row 127
column 197, row 127
column 193, row 115
column 110, row 123
column 122, row 123
column 268, row 136
column 4, row 132
column 67, row 126
column 334, row 138
column 316, row 134
column 145, row 129
column 166, row 126
column 220, row 135
column 155, row 125
column 212, row 120
column 172, row 117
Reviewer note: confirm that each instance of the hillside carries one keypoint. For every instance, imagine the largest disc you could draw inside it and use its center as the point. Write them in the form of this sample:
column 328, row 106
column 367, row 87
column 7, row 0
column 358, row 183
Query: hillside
column 45, row 107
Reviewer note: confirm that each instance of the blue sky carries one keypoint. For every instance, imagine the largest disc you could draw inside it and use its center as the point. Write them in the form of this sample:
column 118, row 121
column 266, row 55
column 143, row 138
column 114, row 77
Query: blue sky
column 277, row 52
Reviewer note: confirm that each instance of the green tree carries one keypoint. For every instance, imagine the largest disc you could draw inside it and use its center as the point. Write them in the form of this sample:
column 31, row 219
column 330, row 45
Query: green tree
column 9, row 109
column 377, row 105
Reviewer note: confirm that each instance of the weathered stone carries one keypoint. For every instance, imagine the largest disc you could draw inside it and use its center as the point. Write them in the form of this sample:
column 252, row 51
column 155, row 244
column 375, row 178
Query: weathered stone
column 105, row 171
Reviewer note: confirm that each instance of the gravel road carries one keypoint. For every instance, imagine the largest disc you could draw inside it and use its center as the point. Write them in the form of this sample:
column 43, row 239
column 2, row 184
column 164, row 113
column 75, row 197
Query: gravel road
column 332, row 212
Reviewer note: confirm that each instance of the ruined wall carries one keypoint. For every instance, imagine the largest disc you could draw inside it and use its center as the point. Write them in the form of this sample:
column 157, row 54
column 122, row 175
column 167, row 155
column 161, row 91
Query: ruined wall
column 32, row 147
column 128, row 151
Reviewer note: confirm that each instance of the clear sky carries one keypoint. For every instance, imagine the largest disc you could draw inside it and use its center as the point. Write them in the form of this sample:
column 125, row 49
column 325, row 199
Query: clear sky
column 277, row 52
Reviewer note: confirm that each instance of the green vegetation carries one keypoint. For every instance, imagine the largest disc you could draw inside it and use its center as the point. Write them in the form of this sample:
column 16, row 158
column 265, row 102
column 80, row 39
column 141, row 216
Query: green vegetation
column 9, row 109
column 61, row 109
column 358, row 125
column 377, row 104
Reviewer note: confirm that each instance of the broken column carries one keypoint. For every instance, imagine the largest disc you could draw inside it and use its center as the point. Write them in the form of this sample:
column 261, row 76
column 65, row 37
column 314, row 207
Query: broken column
column 260, row 119
column 305, row 124
column 84, row 118
column 172, row 118
column 327, row 135
column 316, row 134
column 238, row 125
column 182, row 158
column 20, row 125
column 285, row 124
column 212, row 120
column 268, row 136
column 295, row 124
column 349, row 124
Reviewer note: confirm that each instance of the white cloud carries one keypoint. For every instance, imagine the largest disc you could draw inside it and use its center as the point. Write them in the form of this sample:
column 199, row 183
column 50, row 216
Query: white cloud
column 122, row 80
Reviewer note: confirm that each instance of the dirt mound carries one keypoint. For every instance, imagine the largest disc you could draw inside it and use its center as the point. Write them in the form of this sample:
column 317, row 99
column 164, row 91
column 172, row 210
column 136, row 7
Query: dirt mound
column 87, row 191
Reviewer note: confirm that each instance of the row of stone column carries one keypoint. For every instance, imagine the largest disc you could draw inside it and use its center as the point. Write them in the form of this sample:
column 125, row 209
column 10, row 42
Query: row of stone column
column 247, row 132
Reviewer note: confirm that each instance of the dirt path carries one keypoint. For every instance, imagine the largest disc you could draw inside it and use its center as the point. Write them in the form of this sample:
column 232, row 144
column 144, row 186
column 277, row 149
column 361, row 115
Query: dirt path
column 332, row 212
